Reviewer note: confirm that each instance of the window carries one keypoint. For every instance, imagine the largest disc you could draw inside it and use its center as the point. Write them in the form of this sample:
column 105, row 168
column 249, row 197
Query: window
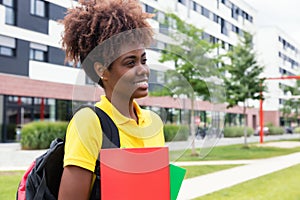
column 216, row 18
column 182, row 2
column 149, row 9
column 37, row 55
column 9, row 12
column 227, row 3
column 213, row 39
column 163, row 28
column 161, row 45
column 39, row 8
column 224, row 27
column 206, row 36
column 223, row 44
column 205, row 12
column 281, row 101
column 196, row 7
column 7, row 51
column 161, row 17
column 38, row 52
column 7, row 46
column 234, row 12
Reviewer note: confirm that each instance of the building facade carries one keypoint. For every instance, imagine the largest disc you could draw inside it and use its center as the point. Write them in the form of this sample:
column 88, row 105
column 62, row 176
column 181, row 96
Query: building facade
column 281, row 60
column 36, row 83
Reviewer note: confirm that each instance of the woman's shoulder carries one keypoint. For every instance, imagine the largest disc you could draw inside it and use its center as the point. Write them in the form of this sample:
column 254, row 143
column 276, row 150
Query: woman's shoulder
column 84, row 114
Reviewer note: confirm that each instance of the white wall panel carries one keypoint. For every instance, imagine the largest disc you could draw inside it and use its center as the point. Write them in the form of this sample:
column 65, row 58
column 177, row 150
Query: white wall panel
column 55, row 73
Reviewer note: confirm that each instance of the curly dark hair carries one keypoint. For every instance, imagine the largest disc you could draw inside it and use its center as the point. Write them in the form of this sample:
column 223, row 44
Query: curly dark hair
column 92, row 22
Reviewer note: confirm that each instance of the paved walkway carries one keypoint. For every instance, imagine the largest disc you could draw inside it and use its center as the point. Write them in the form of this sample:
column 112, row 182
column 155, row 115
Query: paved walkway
column 13, row 158
column 202, row 185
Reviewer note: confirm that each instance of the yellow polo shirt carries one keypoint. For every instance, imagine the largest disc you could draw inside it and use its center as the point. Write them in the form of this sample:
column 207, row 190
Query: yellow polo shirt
column 84, row 134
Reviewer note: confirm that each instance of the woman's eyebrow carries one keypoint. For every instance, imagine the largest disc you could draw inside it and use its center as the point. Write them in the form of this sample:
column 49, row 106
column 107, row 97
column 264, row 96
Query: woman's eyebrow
column 133, row 56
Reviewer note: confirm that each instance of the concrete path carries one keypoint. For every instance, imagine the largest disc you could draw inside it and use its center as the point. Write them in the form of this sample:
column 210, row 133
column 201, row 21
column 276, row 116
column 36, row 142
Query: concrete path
column 13, row 158
column 202, row 185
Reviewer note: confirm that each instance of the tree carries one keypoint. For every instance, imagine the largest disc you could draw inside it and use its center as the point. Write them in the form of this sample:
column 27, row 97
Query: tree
column 194, row 68
column 290, row 109
column 243, row 81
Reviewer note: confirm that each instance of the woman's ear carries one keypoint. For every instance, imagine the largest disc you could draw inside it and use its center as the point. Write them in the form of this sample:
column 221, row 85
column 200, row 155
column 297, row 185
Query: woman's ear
column 99, row 69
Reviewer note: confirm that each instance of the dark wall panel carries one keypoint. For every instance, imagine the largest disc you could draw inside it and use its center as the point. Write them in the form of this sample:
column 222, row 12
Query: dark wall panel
column 56, row 56
column 29, row 21
column 18, row 65
column 56, row 12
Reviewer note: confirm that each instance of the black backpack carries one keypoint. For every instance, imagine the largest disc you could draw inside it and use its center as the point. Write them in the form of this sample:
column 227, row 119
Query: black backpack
column 42, row 179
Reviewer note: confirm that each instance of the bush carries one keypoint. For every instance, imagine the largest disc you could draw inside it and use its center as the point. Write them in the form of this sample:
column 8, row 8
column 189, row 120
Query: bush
column 176, row 132
column 297, row 130
column 38, row 135
column 237, row 131
column 276, row 130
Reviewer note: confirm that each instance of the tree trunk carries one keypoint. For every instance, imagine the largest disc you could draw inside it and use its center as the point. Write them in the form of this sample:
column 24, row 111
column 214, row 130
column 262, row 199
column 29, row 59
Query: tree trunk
column 194, row 153
column 245, row 125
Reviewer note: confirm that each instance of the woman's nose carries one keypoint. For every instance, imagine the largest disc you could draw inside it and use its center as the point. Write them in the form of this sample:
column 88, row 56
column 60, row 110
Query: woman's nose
column 142, row 69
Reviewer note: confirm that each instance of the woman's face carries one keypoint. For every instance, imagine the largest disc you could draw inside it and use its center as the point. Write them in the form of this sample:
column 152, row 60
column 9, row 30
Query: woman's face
column 128, row 75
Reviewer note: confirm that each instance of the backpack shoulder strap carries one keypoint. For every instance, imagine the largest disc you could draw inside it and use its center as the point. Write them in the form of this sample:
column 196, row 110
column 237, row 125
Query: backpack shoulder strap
column 110, row 135
column 111, row 138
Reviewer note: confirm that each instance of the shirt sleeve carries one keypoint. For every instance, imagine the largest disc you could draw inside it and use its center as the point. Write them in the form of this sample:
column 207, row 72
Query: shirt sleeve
column 83, row 140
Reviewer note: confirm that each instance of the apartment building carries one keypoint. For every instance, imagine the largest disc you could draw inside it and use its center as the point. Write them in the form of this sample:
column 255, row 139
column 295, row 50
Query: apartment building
column 36, row 83
column 280, row 56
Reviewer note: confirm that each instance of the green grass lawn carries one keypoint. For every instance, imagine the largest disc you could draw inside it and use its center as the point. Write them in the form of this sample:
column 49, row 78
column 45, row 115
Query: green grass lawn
column 281, row 185
column 233, row 152
column 9, row 182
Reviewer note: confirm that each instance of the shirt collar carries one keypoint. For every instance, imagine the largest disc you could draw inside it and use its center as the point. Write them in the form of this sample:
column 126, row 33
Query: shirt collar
column 116, row 116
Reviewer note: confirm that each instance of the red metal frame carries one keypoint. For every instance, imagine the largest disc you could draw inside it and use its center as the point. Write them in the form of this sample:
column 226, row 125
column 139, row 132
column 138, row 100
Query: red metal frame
column 42, row 109
column 261, row 113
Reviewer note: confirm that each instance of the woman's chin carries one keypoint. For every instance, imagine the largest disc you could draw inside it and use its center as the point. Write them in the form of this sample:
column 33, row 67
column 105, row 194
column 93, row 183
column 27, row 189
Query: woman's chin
column 140, row 94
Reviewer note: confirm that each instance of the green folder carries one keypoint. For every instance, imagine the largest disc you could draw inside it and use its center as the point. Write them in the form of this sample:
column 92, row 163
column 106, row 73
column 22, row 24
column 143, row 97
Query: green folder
column 176, row 177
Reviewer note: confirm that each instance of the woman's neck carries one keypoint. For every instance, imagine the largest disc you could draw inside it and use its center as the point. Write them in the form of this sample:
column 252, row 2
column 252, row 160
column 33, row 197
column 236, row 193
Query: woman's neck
column 124, row 106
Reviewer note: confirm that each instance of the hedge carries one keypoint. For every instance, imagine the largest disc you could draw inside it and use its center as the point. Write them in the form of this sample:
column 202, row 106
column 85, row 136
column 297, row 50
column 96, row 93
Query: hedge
column 297, row 130
column 276, row 130
column 38, row 135
column 176, row 132
column 237, row 131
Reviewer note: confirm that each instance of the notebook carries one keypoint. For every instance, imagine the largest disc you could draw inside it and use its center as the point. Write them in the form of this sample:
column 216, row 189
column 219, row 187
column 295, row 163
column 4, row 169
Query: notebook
column 176, row 177
column 135, row 174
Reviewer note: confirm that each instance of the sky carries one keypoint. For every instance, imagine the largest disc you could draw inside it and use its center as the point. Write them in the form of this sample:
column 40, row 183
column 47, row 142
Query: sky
column 284, row 14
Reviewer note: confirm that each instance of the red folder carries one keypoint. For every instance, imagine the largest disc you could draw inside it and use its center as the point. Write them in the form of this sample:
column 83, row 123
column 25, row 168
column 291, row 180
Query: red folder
column 135, row 174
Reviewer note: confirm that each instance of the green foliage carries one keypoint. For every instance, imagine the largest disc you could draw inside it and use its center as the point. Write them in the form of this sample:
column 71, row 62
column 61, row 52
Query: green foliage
column 269, row 124
column 276, row 130
column 297, row 130
column 237, row 131
column 290, row 109
column 38, row 135
column 190, row 55
column 244, row 82
column 175, row 132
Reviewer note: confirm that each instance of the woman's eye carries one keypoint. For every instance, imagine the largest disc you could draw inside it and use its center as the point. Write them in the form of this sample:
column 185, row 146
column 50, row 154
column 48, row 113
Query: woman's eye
column 144, row 61
column 131, row 62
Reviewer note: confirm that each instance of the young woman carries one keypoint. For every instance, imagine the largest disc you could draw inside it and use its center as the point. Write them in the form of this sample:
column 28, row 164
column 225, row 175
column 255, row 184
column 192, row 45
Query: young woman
column 109, row 39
